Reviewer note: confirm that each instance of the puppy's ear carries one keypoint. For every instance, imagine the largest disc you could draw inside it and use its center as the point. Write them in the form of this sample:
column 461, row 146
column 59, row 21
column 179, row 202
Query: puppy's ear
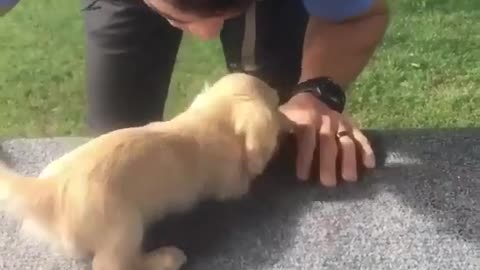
column 259, row 128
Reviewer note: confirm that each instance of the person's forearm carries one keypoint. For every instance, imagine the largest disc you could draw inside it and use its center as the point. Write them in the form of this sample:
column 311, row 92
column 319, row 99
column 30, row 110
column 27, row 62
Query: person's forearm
column 341, row 51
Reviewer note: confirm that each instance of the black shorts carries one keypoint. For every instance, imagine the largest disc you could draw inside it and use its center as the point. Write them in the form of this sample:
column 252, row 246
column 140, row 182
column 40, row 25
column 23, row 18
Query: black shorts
column 131, row 51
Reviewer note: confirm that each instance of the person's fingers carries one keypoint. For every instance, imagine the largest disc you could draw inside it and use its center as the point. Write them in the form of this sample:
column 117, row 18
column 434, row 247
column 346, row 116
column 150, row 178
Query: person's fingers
column 349, row 160
column 368, row 156
column 306, row 140
column 328, row 151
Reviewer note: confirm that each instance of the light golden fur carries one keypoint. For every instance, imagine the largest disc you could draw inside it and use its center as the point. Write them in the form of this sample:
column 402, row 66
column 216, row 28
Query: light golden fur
column 96, row 200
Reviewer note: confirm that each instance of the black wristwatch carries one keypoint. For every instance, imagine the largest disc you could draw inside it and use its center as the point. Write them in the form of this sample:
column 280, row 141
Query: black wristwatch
column 326, row 90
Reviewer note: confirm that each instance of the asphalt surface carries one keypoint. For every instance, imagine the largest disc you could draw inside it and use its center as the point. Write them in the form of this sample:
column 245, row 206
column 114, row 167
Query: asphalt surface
column 419, row 209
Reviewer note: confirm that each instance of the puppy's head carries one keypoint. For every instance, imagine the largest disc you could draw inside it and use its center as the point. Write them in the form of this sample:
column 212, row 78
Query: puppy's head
column 251, row 107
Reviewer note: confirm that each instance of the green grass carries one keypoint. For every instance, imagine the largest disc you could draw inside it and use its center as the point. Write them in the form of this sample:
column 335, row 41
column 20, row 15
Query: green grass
column 426, row 73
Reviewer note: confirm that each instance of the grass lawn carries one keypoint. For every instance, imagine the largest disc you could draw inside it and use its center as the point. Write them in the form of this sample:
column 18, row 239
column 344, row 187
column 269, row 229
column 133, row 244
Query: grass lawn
column 426, row 74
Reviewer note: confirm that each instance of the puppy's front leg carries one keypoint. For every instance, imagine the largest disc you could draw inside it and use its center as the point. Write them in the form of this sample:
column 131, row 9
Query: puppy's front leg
column 165, row 258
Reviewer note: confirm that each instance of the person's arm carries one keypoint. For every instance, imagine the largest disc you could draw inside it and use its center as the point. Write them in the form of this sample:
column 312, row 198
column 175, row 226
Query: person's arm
column 341, row 37
column 7, row 5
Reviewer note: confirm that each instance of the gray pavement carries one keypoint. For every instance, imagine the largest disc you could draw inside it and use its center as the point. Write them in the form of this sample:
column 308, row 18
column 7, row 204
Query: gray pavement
column 420, row 209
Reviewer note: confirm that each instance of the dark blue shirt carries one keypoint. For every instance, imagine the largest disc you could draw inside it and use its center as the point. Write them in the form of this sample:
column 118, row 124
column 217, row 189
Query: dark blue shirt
column 336, row 10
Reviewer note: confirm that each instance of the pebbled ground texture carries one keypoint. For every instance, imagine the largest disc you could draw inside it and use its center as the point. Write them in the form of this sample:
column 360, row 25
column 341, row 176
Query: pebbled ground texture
column 419, row 209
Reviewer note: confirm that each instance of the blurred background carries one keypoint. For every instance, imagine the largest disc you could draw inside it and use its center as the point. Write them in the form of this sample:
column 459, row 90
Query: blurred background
column 426, row 73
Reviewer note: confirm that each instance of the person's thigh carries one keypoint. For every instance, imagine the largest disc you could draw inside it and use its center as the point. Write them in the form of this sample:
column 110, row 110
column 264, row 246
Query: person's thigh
column 130, row 55
column 279, row 30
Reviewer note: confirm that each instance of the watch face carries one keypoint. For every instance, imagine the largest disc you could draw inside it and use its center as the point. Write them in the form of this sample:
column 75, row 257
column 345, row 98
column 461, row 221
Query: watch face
column 330, row 93
column 334, row 99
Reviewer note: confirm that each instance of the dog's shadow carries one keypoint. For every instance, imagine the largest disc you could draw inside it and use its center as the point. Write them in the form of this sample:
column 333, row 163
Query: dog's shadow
column 214, row 231
column 251, row 232
column 424, row 170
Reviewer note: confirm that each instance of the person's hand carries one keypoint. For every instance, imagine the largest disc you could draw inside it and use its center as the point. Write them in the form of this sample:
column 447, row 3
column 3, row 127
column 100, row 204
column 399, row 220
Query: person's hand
column 336, row 134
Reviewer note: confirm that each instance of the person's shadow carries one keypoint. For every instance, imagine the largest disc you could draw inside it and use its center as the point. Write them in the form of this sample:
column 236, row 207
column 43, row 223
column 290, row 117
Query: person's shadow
column 434, row 172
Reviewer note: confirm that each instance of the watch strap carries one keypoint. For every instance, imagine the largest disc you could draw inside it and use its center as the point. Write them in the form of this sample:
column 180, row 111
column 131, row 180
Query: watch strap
column 326, row 90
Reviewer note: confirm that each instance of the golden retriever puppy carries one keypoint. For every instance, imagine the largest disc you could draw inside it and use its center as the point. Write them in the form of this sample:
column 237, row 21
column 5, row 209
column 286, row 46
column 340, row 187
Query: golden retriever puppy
column 96, row 200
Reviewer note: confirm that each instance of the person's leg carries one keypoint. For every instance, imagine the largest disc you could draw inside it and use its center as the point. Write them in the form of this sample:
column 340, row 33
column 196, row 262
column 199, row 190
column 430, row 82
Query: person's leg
column 277, row 32
column 130, row 55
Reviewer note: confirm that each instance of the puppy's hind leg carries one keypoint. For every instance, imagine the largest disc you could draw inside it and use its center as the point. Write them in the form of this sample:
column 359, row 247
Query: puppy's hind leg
column 120, row 244
column 165, row 258
column 124, row 253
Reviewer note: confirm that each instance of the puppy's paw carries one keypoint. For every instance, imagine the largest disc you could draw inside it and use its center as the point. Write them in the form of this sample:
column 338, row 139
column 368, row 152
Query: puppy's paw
column 165, row 258
column 72, row 251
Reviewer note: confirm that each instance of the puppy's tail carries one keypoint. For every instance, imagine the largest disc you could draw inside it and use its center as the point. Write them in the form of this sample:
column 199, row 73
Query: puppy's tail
column 26, row 196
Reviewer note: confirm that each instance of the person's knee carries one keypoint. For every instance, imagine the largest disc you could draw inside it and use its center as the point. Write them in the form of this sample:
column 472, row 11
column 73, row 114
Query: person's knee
column 127, row 76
